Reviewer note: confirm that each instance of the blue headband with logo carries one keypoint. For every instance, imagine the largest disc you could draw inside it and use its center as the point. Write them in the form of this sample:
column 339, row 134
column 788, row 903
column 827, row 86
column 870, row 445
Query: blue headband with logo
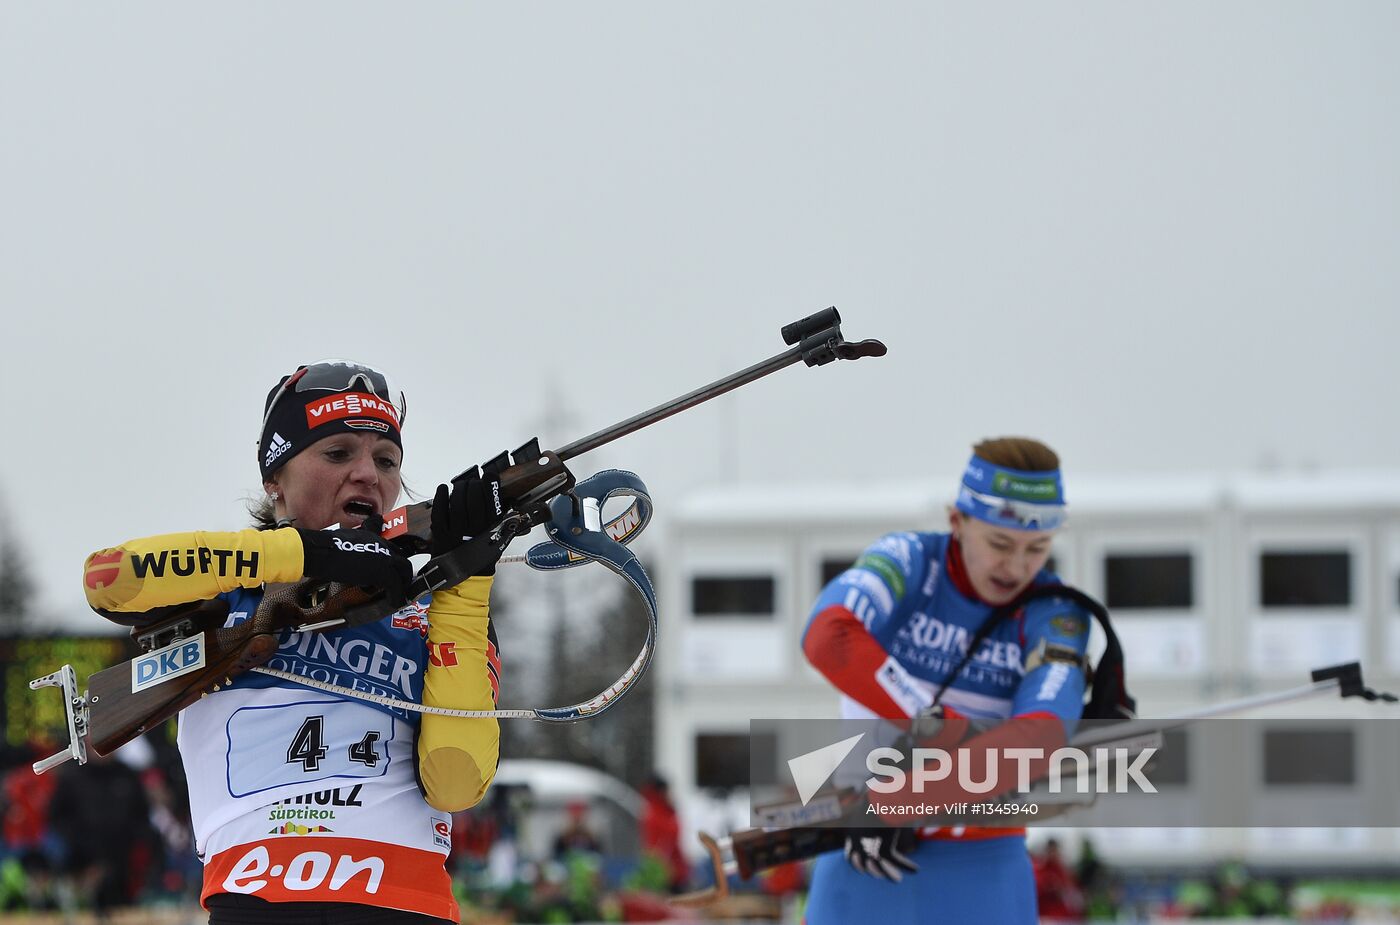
column 1012, row 497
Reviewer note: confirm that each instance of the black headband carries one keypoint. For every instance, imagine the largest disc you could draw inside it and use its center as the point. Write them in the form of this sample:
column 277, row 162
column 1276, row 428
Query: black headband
column 322, row 400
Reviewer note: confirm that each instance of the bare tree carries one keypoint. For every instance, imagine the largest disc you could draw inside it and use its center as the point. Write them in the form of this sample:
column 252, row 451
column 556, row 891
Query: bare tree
column 16, row 586
column 573, row 635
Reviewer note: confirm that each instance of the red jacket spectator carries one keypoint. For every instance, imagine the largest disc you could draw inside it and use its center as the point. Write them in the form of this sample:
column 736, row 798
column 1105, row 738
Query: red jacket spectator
column 661, row 831
column 1056, row 891
column 27, row 805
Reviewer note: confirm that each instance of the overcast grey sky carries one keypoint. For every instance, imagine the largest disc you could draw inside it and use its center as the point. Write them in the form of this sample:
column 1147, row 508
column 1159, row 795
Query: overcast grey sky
column 1161, row 236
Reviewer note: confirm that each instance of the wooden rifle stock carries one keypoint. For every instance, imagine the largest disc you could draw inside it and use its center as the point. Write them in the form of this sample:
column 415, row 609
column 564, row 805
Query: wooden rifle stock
column 120, row 709
column 746, row 852
column 756, row 850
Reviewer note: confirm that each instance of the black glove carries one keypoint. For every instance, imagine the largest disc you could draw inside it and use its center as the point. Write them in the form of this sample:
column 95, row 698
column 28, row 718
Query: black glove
column 356, row 557
column 470, row 507
column 881, row 852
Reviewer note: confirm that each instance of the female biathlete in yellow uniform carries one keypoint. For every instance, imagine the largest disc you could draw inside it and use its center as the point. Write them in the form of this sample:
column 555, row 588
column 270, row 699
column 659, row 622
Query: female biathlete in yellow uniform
column 309, row 806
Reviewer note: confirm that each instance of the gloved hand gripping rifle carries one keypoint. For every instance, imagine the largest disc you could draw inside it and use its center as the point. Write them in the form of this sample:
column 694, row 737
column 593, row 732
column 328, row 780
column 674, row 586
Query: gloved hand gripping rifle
column 189, row 652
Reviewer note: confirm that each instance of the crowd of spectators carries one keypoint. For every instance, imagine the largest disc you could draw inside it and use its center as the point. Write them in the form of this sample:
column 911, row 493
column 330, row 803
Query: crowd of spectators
column 105, row 835
column 1089, row 890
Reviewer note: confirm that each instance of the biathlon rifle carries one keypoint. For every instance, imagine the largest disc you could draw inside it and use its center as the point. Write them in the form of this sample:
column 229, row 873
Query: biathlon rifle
column 746, row 852
column 195, row 653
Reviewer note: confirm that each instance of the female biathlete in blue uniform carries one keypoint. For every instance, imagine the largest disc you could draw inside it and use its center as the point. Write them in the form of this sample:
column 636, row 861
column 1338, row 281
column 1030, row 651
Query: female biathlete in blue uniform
column 889, row 632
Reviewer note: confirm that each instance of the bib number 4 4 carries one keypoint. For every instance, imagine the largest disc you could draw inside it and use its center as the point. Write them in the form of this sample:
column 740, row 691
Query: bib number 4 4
column 318, row 739
column 308, row 746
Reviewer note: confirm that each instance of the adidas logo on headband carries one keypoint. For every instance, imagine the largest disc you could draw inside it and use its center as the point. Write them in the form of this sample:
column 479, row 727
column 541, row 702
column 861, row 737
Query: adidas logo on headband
column 275, row 448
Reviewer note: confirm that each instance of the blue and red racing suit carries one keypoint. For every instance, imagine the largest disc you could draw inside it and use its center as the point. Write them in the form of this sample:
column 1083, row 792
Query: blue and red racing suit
column 887, row 632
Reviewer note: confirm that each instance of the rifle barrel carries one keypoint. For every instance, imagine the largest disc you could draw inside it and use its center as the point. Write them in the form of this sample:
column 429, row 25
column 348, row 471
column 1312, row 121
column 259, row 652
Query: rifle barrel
column 1134, row 727
column 677, row 405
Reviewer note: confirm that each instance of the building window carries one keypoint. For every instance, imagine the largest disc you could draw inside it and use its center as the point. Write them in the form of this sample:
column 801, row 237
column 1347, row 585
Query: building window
column 732, row 595
column 831, row 567
column 1309, row 756
column 1171, row 766
column 1148, row 581
column 722, row 759
column 1319, row 578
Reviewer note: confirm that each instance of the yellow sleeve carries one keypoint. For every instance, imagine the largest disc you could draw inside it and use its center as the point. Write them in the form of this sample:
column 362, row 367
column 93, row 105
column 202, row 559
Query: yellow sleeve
column 179, row 568
column 456, row 756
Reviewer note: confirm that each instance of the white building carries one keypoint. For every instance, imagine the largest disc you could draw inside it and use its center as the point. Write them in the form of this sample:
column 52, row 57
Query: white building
column 1220, row 587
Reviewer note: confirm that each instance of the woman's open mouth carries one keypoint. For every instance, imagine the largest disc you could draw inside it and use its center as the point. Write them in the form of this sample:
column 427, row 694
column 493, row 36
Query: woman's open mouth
column 358, row 511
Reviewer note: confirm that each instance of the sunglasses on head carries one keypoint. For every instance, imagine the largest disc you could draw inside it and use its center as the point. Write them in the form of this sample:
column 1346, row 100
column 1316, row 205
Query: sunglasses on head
column 338, row 376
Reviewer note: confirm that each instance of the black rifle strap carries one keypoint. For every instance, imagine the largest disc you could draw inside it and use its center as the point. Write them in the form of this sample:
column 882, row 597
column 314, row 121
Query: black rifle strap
column 1108, row 698
column 983, row 631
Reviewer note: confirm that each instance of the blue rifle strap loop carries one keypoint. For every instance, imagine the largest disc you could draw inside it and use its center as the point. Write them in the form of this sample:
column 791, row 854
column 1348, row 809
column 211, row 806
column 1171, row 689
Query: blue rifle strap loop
column 573, row 543
column 622, row 529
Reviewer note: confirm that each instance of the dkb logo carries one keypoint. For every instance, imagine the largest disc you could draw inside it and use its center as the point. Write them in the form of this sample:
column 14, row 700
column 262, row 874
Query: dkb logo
column 180, row 657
